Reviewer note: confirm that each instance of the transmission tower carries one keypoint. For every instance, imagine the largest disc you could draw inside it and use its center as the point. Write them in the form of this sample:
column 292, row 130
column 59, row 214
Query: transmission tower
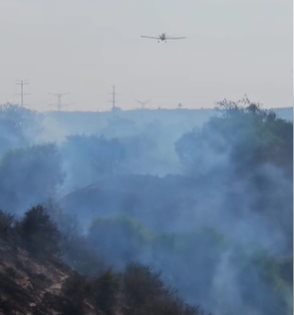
column 143, row 103
column 113, row 98
column 22, row 83
column 59, row 96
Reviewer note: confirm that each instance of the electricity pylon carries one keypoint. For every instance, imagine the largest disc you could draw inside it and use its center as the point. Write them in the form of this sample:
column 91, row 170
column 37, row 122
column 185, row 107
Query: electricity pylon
column 22, row 83
column 59, row 96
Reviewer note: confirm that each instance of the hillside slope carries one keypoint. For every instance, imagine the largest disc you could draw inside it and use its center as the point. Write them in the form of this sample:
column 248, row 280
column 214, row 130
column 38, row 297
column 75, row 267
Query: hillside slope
column 35, row 281
column 31, row 286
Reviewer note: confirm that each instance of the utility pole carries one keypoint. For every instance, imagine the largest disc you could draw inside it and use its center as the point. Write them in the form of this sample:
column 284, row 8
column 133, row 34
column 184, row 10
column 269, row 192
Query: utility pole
column 113, row 101
column 59, row 97
column 113, row 98
column 22, row 83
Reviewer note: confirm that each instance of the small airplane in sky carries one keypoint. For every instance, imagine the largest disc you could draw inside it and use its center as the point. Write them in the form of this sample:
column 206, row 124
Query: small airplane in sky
column 162, row 37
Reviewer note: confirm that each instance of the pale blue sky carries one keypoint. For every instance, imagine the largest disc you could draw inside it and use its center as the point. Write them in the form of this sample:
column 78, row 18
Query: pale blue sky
column 84, row 46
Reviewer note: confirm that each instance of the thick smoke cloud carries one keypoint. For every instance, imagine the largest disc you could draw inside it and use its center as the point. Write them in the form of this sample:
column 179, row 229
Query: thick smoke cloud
column 29, row 176
column 204, row 197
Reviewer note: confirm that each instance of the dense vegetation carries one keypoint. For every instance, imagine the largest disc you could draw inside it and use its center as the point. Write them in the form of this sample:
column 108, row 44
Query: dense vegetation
column 216, row 224
column 137, row 290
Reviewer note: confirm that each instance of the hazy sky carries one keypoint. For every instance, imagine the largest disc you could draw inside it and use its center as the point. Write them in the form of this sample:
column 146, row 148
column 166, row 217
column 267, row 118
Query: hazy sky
column 85, row 46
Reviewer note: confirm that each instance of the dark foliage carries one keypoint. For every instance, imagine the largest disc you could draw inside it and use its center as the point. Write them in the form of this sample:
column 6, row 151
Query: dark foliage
column 78, row 254
column 76, row 288
column 144, row 293
column 6, row 224
column 38, row 232
column 136, row 291
column 106, row 292
column 250, row 137
column 140, row 285
column 238, row 182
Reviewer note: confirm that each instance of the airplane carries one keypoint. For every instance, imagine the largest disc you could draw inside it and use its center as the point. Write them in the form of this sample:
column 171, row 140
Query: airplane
column 162, row 37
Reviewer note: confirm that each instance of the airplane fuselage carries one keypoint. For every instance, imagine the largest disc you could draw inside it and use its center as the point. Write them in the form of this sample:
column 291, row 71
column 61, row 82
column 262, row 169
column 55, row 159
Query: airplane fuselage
column 162, row 36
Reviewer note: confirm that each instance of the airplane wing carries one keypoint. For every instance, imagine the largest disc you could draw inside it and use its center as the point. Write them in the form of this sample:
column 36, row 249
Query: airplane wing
column 151, row 37
column 169, row 37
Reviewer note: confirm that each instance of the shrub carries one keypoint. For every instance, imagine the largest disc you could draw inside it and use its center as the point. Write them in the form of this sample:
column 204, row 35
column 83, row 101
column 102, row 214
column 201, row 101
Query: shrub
column 145, row 293
column 39, row 233
column 105, row 291
column 141, row 285
column 6, row 224
column 75, row 290
column 78, row 254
